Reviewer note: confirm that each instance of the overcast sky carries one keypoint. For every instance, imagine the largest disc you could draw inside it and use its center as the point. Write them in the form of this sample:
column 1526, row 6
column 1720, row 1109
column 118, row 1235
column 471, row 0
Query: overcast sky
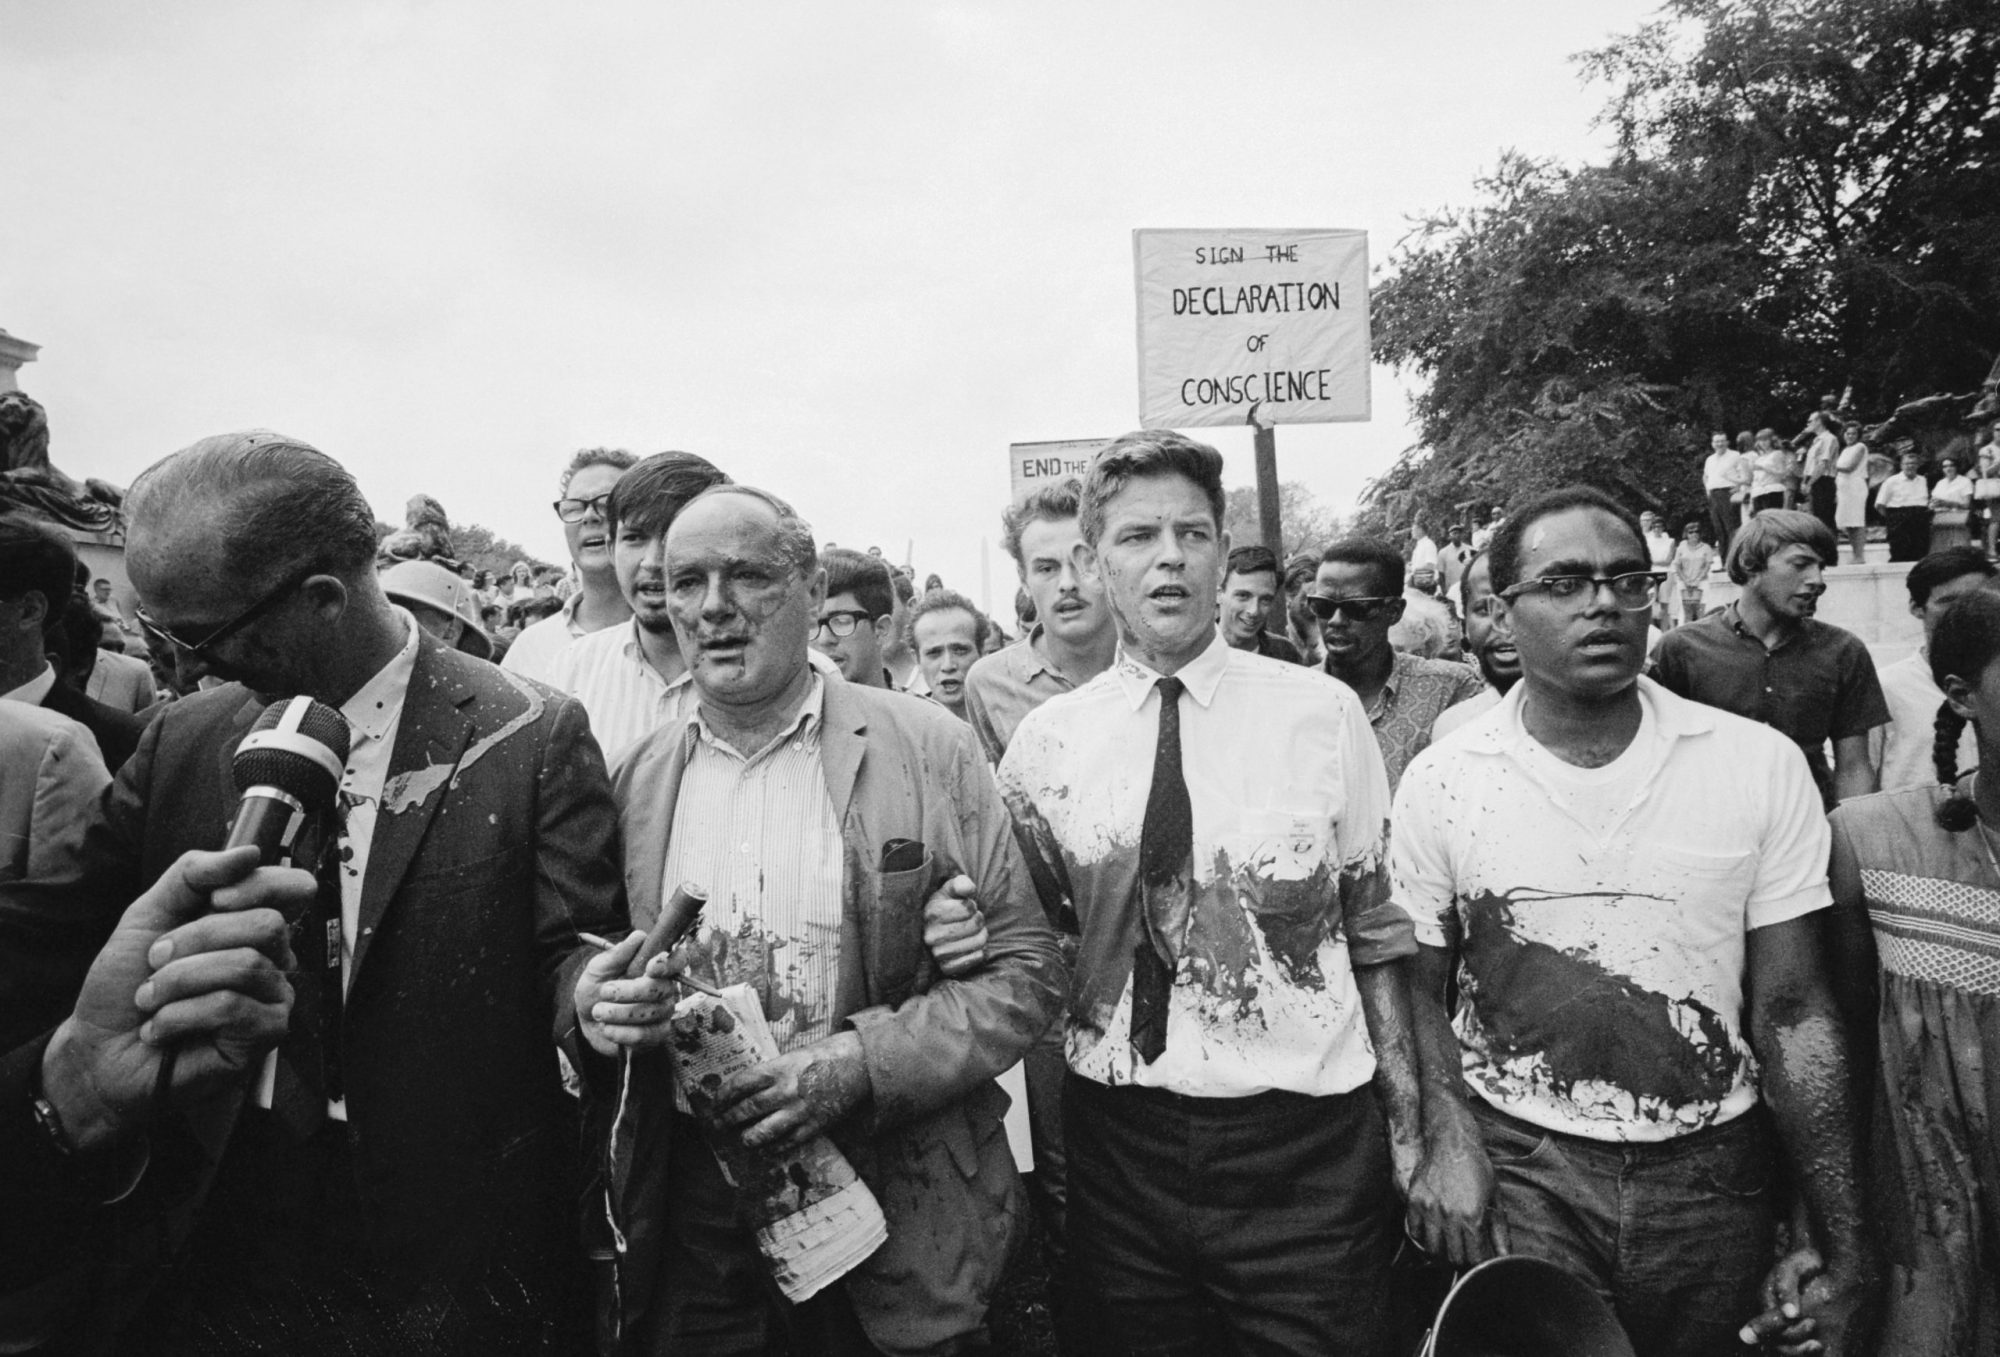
column 846, row 251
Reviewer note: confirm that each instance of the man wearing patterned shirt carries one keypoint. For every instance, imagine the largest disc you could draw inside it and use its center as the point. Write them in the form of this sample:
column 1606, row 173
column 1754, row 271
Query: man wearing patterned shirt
column 1358, row 597
column 793, row 797
column 1213, row 825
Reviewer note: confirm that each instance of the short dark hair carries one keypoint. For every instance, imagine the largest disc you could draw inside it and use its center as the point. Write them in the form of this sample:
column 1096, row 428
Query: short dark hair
column 36, row 559
column 862, row 575
column 1140, row 455
column 940, row 601
column 1373, row 552
column 1505, row 548
column 286, row 505
column 1300, row 570
column 906, row 588
column 1051, row 503
column 1770, row 533
column 1942, row 567
column 1464, row 577
column 651, row 495
column 584, row 457
column 1251, row 560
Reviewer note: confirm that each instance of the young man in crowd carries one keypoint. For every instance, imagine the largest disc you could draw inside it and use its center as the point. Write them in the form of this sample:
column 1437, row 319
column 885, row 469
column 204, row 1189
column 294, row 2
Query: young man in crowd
column 853, row 628
column 1070, row 643
column 599, row 603
column 1903, row 749
column 1491, row 647
column 1629, row 884
column 813, row 776
column 631, row 678
column 1453, row 557
column 948, row 634
column 1767, row 657
column 1211, row 824
column 1358, row 597
column 1249, row 585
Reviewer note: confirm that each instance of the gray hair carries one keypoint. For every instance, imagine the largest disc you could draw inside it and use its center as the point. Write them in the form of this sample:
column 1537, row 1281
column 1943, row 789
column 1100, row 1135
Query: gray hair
column 795, row 535
column 285, row 506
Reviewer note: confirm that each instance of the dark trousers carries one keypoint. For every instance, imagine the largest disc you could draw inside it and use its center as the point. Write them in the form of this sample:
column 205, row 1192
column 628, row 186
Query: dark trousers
column 1820, row 493
column 1258, row 1225
column 1909, row 533
column 1723, row 516
column 283, row 1260
column 718, row 1296
column 1677, row 1235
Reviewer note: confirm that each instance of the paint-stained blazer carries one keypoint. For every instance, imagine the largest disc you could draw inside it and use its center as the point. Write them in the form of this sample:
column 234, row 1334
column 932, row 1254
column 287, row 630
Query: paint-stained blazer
column 929, row 1143
column 497, row 841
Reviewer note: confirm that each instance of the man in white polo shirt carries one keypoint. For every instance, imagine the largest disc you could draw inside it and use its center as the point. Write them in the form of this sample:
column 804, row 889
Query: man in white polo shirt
column 1211, row 823
column 1630, row 882
column 598, row 604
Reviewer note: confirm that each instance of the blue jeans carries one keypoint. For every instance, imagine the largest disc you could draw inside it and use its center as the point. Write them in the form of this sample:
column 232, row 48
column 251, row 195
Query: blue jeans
column 1676, row 1235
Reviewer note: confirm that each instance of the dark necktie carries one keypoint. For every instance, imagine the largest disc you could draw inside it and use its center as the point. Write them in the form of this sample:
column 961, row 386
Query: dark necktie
column 1166, row 845
column 309, row 1070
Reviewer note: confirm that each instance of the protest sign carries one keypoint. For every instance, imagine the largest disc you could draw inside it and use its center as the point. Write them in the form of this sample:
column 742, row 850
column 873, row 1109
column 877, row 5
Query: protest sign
column 1033, row 465
column 1232, row 322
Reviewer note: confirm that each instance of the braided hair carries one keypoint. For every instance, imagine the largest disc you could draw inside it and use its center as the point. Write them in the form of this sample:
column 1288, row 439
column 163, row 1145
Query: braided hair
column 1966, row 641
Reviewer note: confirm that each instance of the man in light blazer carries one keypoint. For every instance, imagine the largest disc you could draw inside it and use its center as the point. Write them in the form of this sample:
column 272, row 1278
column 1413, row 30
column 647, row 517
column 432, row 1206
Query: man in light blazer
column 796, row 800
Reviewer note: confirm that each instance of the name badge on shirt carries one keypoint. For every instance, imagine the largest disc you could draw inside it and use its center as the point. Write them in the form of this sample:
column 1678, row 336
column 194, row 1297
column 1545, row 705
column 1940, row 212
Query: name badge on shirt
column 1283, row 845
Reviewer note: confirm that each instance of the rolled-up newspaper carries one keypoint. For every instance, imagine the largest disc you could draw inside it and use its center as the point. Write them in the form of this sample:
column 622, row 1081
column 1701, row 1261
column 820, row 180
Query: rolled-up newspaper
column 816, row 1220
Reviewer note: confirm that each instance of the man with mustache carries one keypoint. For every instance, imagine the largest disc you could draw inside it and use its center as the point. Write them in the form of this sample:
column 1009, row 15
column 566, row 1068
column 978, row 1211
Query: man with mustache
column 1630, row 886
column 1210, row 824
column 793, row 797
column 1492, row 648
column 1358, row 597
column 1767, row 657
column 598, row 604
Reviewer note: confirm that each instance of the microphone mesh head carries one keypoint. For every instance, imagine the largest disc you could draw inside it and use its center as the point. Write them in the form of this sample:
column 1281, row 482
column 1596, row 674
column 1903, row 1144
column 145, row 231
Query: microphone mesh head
column 297, row 774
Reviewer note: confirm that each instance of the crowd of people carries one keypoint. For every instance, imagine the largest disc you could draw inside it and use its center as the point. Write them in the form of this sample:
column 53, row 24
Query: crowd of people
column 1355, row 917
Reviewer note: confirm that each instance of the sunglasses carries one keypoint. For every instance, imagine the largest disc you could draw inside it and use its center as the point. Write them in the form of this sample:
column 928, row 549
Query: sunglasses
column 201, row 649
column 576, row 510
column 841, row 623
column 1355, row 609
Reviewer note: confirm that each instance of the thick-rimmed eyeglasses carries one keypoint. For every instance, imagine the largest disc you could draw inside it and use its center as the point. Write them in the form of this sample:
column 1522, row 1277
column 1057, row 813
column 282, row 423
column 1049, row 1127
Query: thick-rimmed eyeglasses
column 1356, row 609
column 1632, row 591
column 576, row 510
column 842, row 623
column 201, row 649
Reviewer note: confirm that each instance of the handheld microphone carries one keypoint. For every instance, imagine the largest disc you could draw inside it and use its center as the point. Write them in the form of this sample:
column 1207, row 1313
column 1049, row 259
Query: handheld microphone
column 287, row 767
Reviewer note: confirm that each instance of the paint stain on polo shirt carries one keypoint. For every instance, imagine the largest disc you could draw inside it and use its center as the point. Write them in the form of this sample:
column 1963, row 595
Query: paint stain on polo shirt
column 1586, row 1024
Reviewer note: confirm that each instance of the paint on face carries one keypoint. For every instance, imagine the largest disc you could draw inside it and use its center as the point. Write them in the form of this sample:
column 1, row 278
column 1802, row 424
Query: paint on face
column 742, row 610
column 1068, row 603
column 1583, row 1024
column 1159, row 555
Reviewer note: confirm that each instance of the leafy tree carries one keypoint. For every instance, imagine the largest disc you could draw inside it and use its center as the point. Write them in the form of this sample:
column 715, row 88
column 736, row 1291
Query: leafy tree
column 1302, row 521
column 1804, row 197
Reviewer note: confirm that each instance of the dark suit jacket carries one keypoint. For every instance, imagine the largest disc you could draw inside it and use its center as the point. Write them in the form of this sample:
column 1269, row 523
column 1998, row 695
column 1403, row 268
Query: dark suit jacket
column 117, row 731
column 496, row 842
column 930, row 1144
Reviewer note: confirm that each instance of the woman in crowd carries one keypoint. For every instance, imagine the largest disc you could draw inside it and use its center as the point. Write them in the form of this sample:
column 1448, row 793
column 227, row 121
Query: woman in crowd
column 1771, row 466
column 1850, row 508
column 1951, row 507
column 1986, row 487
column 1917, row 933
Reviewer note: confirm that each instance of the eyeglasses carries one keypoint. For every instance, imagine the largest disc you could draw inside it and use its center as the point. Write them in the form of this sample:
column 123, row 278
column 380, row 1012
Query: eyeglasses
column 842, row 623
column 1356, row 609
column 1631, row 591
column 200, row 649
column 1486, row 607
column 576, row 510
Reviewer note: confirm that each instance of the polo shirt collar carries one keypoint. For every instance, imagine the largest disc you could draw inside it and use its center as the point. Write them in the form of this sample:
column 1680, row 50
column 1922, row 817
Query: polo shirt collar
column 1032, row 662
column 1202, row 675
column 1734, row 617
column 1674, row 717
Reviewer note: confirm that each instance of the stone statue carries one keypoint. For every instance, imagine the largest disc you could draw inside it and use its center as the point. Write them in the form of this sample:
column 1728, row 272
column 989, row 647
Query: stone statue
column 425, row 536
column 1940, row 425
column 28, row 483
